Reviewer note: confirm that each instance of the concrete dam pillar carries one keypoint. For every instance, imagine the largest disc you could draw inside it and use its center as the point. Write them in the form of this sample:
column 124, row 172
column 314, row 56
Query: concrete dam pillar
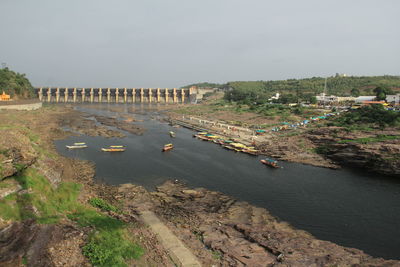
column 100, row 94
column 108, row 95
column 158, row 95
column 116, row 95
column 166, row 95
column 150, row 95
column 91, row 95
column 174, row 95
column 49, row 94
column 183, row 95
column 125, row 94
column 40, row 94
column 141, row 95
column 74, row 95
column 83, row 95
column 66, row 95
column 133, row 95
column 57, row 95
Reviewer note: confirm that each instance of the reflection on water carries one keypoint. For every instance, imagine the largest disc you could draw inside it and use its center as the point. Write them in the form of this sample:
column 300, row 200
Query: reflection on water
column 349, row 208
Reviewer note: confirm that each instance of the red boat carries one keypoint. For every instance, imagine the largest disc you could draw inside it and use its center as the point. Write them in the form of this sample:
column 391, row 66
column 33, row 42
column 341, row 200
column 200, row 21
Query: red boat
column 270, row 162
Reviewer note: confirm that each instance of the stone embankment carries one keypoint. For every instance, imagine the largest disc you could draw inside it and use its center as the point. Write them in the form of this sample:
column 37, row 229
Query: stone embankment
column 21, row 105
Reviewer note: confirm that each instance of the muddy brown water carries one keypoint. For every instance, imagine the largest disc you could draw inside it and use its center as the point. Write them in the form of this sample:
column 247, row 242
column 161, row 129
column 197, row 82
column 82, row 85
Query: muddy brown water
column 350, row 208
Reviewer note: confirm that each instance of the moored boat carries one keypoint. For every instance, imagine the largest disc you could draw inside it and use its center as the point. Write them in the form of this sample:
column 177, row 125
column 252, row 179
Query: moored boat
column 172, row 134
column 76, row 146
column 79, row 144
column 167, row 147
column 113, row 149
column 270, row 162
column 250, row 151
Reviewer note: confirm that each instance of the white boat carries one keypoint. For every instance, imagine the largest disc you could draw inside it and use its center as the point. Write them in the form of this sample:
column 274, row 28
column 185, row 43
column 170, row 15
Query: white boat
column 76, row 146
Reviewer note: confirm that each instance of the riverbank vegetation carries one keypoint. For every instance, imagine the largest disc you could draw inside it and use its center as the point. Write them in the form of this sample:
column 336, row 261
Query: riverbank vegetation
column 15, row 84
column 367, row 116
column 35, row 190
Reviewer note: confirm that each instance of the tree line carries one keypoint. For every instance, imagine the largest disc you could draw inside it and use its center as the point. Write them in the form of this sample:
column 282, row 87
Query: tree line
column 15, row 84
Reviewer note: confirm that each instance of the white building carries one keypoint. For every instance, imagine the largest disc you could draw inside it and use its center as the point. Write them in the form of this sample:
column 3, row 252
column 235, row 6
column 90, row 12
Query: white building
column 321, row 98
column 393, row 99
column 276, row 97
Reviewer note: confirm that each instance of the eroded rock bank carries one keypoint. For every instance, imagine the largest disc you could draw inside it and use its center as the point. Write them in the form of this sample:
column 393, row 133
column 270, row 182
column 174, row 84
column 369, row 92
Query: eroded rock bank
column 237, row 233
column 369, row 151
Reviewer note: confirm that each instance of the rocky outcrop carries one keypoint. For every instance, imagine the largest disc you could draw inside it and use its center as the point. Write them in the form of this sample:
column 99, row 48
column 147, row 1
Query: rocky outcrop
column 240, row 234
column 381, row 157
column 16, row 153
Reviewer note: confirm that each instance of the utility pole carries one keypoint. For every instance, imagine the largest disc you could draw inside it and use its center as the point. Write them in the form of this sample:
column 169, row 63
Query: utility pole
column 325, row 91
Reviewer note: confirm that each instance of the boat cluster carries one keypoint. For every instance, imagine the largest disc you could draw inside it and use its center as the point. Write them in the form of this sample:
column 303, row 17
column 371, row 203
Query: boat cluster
column 230, row 144
column 107, row 149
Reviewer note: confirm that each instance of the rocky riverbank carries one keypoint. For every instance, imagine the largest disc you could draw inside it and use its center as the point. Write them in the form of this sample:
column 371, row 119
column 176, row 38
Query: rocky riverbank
column 237, row 233
column 218, row 229
column 322, row 146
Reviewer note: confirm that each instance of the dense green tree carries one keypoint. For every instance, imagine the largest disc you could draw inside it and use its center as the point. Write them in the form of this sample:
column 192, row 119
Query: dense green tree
column 381, row 92
column 15, row 84
column 355, row 92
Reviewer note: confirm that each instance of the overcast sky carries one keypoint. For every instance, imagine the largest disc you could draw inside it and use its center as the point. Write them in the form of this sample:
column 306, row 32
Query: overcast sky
column 171, row 43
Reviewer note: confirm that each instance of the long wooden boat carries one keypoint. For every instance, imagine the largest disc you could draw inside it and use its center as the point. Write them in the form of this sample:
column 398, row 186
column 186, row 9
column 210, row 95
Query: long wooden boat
column 270, row 162
column 113, row 149
column 250, row 151
column 167, row 147
column 116, row 146
column 76, row 146
column 79, row 144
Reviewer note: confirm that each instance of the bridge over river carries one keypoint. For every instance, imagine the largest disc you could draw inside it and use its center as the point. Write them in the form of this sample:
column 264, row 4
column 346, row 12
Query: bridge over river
column 116, row 95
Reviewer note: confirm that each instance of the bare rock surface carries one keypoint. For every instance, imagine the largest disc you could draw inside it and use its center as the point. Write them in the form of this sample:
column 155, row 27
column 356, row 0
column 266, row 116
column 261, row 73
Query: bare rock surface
column 381, row 157
column 239, row 234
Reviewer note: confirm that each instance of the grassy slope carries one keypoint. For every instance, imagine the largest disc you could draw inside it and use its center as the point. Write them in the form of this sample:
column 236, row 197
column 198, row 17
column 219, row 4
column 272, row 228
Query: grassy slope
column 109, row 243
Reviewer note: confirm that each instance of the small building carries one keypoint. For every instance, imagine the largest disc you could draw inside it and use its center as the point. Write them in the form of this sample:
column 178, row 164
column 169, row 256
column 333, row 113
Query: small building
column 361, row 99
column 393, row 99
column 322, row 98
column 275, row 97
column 4, row 97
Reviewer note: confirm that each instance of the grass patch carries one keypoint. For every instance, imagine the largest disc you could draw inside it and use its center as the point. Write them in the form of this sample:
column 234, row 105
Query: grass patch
column 109, row 248
column 102, row 204
column 51, row 204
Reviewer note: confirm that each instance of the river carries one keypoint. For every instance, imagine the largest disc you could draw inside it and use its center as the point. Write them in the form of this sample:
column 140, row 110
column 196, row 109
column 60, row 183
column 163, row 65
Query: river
column 350, row 208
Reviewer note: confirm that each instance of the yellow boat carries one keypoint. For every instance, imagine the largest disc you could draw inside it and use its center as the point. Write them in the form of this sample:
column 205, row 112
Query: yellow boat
column 117, row 146
column 79, row 144
column 113, row 149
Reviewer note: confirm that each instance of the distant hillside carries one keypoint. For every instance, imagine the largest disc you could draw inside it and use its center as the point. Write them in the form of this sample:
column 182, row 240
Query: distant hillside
column 15, row 84
column 342, row 86
column 205, row 85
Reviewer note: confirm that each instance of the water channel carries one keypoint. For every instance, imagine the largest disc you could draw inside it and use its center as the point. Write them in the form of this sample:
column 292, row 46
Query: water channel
column 350, row 208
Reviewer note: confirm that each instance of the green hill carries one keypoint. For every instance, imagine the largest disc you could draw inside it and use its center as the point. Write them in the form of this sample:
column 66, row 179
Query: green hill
column 338, row 85
column 15, row 84
column 260, row 91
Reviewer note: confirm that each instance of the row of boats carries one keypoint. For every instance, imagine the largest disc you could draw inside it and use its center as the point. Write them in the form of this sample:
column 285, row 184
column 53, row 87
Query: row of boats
column 234, row 145
column 107, row 149
column 230, row 144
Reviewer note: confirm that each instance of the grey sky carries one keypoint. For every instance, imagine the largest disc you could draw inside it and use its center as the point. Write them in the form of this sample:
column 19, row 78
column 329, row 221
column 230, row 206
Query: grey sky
column 170, row 43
